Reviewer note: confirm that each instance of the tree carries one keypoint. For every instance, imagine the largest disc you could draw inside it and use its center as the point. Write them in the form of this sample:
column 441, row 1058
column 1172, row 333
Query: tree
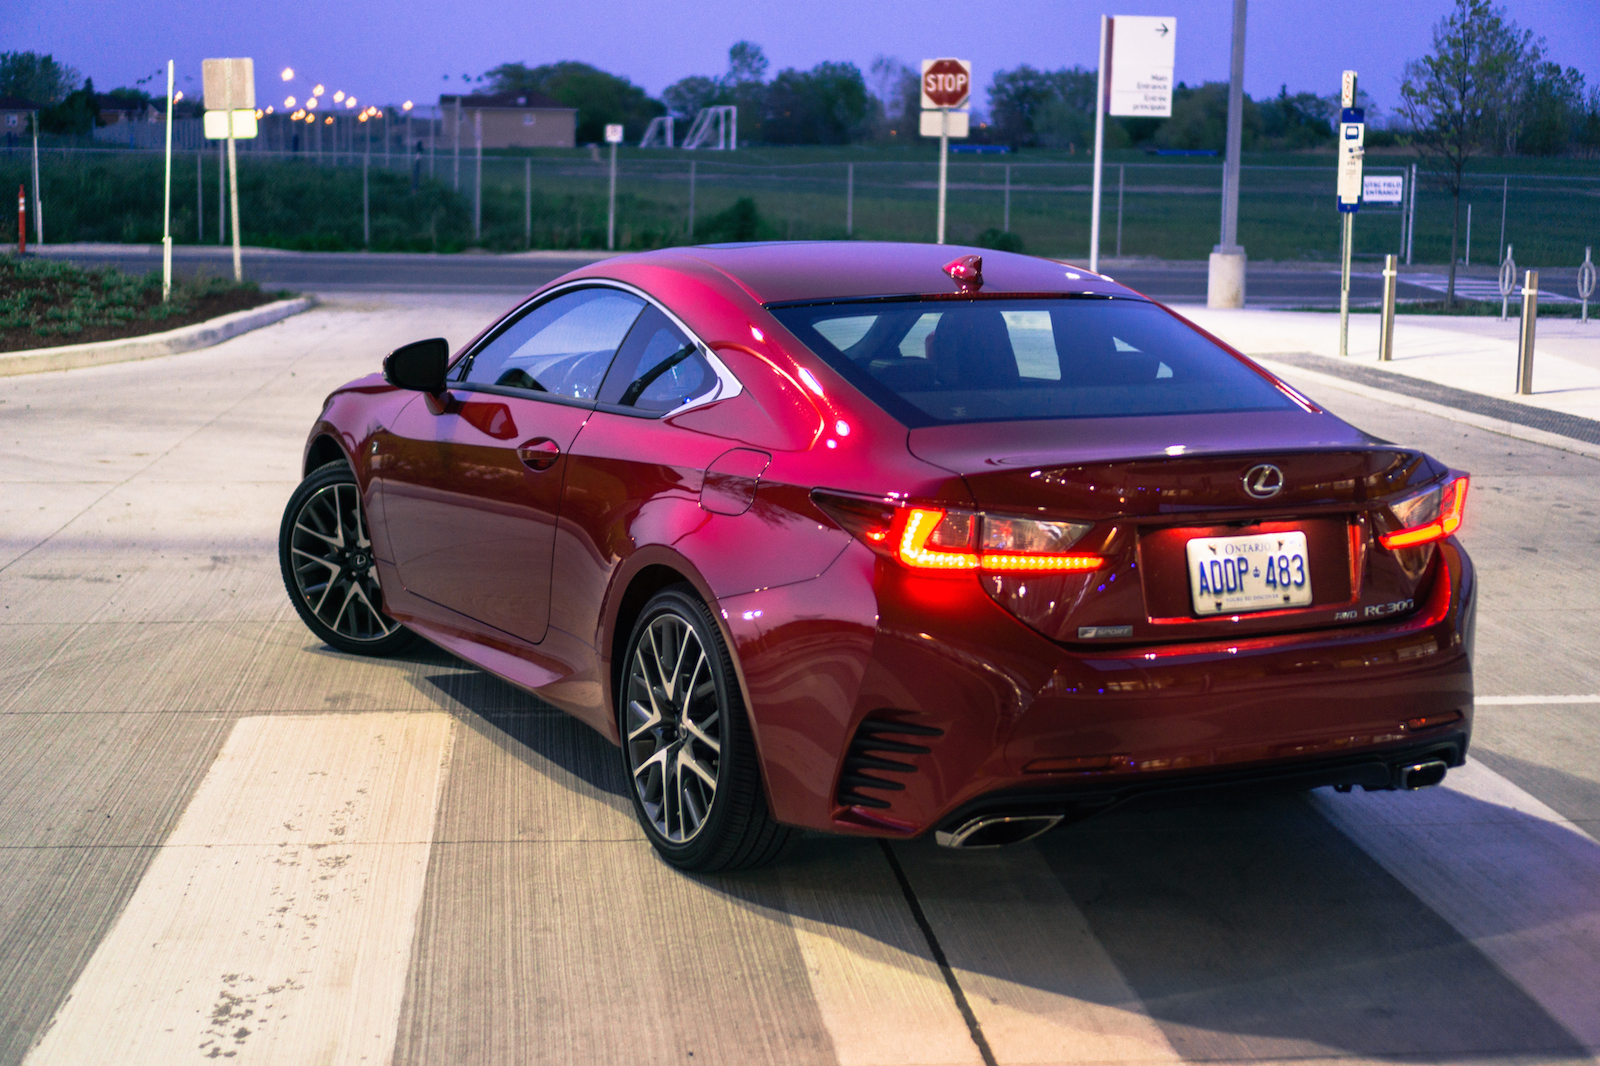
column 824, row 105
column 1019, row 99
column 37, row 78
column 1555, row 110
column 1453, row 99
column 897, row 98
column 686, row 97
column 741, row 85
column 1294, row 122
column 1200, row 119
column 76, row 114
column 599, row 97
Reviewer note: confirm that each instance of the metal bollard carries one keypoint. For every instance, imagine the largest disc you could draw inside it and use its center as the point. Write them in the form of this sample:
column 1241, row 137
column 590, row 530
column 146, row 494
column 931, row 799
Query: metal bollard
column 1530, row 317
column 1586, row 281
column 1386, row 327
column 1508, row 281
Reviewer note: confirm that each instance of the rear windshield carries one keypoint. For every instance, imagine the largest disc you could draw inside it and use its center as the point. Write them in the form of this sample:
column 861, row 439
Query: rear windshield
column 931, row 362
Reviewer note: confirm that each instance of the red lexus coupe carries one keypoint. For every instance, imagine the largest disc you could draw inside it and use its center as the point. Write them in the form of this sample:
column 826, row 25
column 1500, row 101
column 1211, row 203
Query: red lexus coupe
column 852, row 537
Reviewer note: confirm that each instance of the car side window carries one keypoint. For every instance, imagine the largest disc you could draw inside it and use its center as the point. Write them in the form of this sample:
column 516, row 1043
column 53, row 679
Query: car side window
column 561, row 347
column 658, row 368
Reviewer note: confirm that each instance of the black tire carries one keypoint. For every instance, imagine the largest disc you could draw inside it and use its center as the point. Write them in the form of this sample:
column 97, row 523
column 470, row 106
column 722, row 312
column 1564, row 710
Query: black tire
column 686, row 744
column 328, row 570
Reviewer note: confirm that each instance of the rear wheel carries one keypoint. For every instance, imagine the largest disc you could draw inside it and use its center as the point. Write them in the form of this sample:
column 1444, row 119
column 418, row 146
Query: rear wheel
column 325, row 554
column 686, row 744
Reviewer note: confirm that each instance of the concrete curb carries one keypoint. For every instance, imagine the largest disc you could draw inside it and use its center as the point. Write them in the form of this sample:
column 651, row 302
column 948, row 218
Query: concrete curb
column 173, row 341
column 1454, row 414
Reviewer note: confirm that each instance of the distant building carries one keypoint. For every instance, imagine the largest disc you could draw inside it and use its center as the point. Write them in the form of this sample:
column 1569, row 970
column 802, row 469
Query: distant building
column 510, row 120
column 14, row 123
column 111, row 110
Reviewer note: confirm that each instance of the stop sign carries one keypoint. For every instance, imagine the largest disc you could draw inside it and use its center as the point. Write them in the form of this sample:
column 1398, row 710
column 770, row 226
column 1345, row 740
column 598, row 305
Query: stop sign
column 946, row 82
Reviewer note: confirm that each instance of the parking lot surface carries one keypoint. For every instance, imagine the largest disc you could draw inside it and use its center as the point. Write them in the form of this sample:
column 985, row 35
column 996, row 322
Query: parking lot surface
column 219, row 838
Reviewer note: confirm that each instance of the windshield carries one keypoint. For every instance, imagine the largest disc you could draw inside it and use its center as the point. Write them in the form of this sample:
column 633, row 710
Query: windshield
column 931, row 362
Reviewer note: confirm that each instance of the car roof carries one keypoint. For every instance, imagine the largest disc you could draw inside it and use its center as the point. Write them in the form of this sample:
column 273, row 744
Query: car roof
column 779, row 272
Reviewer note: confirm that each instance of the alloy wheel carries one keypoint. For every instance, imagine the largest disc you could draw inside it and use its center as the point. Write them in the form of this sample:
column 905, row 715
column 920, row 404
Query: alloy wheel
column 334, row 570
column 673, row 722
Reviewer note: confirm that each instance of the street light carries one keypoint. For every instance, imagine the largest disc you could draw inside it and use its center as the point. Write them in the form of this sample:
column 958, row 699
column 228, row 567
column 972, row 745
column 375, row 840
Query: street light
column 288, row 74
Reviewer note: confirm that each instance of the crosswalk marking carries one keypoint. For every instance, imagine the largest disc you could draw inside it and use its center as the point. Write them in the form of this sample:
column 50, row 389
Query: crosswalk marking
column 1477, row 288
column 1514, row 877
column 276, row 922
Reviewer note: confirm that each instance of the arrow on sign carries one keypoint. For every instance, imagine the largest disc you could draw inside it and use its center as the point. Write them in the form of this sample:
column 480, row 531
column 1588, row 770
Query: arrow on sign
column 1162, row 31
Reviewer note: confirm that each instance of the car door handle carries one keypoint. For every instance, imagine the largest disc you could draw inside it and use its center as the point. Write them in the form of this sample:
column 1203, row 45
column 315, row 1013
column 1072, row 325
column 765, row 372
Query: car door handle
column 540, row 453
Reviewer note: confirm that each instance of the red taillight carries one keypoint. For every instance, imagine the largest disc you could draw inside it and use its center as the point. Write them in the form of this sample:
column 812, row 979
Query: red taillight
column 953, row 540
column 1452, row 503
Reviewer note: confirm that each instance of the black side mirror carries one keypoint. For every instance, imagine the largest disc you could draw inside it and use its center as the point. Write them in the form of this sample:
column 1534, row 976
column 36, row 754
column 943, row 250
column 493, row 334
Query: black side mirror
column 419, row 366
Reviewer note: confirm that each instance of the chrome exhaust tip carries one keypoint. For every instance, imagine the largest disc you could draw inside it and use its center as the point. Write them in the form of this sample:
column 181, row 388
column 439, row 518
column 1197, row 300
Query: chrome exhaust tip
column 1422, row 774
column 995, row 831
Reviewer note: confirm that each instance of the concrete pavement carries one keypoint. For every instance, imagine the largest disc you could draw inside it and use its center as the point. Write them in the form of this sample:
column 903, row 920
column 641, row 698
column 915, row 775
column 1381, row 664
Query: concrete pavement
column 217, row 836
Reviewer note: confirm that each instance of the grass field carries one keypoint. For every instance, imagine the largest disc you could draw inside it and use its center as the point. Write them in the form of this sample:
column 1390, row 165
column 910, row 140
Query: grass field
column 557, row 199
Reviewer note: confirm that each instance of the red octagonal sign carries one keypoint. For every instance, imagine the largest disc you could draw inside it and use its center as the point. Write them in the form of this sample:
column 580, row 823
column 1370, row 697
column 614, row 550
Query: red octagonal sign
column 946, row 82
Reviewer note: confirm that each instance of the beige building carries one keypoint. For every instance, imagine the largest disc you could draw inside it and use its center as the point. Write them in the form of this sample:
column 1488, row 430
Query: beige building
column 510, row 120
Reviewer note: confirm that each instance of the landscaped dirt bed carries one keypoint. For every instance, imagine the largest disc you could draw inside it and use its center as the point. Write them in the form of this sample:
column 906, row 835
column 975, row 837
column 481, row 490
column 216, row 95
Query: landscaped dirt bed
column 45, row 304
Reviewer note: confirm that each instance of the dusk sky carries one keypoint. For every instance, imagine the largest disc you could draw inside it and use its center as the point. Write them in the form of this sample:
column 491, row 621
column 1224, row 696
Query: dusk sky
column 390, row 53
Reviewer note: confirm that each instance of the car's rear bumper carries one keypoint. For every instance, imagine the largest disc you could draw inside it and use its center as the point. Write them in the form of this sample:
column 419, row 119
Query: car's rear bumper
column 834, row 667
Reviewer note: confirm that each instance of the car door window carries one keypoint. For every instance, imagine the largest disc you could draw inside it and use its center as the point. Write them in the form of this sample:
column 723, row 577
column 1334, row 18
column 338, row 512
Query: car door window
column 561, row 347
column 658, row 368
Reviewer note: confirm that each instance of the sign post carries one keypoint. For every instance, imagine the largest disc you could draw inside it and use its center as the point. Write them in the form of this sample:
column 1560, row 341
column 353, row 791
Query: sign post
column 230, row 93
column 613, row 138
column 166, row 202
column 1352, row 136
column 1135, row 79
column 946, row 93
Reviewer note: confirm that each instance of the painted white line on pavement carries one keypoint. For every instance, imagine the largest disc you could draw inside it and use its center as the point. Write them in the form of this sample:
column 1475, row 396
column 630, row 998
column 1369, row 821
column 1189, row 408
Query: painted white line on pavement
column 275, row 924
column 1529, row 701
column 1514, row 877
column 882, row 999
column 1043, row 988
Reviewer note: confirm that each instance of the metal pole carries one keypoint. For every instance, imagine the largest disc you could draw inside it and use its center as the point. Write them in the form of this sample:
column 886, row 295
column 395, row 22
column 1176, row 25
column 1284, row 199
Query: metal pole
column 691, row 198
column 1586, row 279
column 1006, row 224
column 457, row 162
column 233, row 181
column 222, row 196
column 1508, row 281
column 38, row 204
column 1230, row 196
column 477, row 195
column 1386, row 327
column 166, row 201
column 1344, row 285
column 527, row 203
column 849, row 199
column 1530, row 318
column 1121, row 175
column 1099, row 145
column 944, row 164
column 199, row 196
column 1505, row 197
column 1468, row 260
column 433, row 139
column 611, row 203
column 1411, row 226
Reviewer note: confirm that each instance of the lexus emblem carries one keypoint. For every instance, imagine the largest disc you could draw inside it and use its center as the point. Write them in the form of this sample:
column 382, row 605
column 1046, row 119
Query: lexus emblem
column 1263, row 481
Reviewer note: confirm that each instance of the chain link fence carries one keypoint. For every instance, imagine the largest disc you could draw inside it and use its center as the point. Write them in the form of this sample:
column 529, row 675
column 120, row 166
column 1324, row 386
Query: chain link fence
column 311, row 193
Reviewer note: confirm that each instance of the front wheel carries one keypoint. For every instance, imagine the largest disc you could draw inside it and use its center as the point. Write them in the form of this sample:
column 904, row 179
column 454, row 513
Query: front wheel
column 686, row 743
column 328, row 569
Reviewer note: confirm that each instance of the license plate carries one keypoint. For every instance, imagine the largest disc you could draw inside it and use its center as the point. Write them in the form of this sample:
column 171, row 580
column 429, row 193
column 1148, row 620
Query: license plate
column 1259, row 572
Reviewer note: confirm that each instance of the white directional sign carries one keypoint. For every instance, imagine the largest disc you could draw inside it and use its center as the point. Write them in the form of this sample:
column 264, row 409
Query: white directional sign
column 1352, row 138
column 1383, row 188
column 613, row 134
column 1140, row 65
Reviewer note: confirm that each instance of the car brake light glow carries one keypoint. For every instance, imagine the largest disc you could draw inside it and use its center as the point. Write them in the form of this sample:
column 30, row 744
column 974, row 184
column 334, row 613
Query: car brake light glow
column 1444, row 507
column 951, row 540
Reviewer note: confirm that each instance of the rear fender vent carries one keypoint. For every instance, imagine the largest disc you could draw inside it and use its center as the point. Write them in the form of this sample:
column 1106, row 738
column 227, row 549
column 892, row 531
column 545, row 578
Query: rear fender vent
column 880, row 747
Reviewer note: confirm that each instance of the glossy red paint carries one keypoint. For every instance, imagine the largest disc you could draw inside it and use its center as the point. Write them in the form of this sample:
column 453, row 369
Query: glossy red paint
column 522, row 532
